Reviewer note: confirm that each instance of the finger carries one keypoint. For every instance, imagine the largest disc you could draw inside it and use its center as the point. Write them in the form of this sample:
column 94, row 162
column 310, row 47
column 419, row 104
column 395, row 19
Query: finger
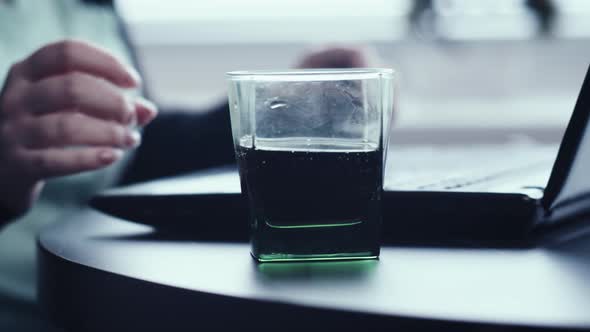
column 58, row 162
column 73, row 129
column 12, row 91
column 72, row 55
column 335, row 57
column 146, row 111
column 83, row 92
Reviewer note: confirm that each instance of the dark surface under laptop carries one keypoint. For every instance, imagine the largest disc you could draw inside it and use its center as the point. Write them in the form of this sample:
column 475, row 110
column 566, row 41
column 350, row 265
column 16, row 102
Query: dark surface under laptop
column 516, row 194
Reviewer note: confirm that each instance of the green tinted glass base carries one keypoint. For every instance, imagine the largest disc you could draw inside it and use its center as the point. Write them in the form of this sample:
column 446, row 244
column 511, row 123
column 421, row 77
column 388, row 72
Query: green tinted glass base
column 264, row 258
column 316, row 242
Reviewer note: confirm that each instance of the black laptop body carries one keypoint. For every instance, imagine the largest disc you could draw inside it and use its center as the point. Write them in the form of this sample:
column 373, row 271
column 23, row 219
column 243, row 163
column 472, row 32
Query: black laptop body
column 554, row 212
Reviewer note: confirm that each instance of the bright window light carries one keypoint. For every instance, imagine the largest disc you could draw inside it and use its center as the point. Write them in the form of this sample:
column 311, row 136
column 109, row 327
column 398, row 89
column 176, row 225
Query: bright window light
column 153, row 10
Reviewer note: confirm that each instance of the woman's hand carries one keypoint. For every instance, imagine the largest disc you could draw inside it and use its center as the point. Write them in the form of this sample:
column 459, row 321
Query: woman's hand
column 339, row 57
column 62, row 111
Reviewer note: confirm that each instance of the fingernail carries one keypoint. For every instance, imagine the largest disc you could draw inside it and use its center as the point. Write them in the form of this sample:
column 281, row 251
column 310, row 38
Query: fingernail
column 133, row 139
column 134, row 77
column 129, row 117
column 147, row 104
column 148, row 111
column 108, row 156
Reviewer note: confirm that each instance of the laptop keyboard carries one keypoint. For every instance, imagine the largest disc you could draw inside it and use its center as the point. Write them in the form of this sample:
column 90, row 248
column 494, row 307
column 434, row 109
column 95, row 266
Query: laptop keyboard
column 467, row 169
column 462, row 182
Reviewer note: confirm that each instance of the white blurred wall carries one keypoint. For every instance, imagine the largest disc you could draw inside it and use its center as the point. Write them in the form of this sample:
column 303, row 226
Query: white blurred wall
column 517, row 83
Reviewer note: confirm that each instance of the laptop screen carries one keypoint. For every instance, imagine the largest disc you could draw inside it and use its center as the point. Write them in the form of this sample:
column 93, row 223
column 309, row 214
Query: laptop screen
column 569, row 180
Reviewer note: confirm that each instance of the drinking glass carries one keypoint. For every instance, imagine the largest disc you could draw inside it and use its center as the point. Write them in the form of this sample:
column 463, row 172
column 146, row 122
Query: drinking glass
column 310, row 146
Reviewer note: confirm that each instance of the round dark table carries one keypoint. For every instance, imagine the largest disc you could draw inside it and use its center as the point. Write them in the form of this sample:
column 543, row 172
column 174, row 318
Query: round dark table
column 99, row 273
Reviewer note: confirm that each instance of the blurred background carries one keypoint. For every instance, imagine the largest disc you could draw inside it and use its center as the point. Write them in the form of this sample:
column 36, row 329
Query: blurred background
column 486, row 69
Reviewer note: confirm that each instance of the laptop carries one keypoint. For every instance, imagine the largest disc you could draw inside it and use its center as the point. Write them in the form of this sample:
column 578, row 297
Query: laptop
column 516, row 194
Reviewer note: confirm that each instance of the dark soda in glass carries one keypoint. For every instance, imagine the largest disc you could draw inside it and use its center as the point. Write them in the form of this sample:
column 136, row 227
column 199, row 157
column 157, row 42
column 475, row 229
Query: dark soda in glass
column 312, row 199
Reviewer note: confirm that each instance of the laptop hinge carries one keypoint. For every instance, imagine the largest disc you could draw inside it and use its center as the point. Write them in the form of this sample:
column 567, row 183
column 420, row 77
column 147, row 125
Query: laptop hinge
column 568, row 209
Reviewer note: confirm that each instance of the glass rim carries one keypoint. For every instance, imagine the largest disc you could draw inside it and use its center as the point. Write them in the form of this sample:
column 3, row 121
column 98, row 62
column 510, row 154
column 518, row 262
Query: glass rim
column 330, row 74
